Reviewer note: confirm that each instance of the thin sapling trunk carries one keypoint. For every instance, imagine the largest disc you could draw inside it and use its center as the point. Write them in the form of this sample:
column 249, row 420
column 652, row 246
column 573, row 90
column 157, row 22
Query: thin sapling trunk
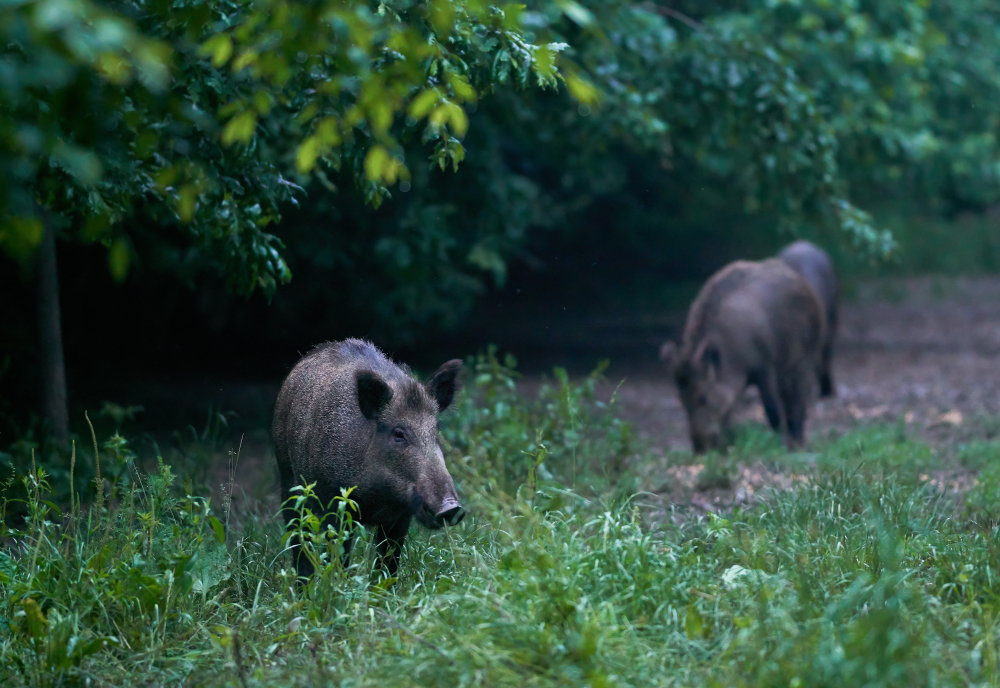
column 50, row 345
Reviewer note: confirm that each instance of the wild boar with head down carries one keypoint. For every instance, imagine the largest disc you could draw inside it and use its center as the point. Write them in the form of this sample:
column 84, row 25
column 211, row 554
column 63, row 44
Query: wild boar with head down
column 347, row 416
column 752, row 324
column 813, row 263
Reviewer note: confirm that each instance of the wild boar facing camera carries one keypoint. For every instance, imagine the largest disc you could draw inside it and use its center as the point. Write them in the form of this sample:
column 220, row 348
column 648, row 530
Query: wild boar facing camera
column 347, row 416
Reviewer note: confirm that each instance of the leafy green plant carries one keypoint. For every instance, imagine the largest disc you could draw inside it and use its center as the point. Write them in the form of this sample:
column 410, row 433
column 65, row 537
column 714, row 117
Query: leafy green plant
column 500, row 434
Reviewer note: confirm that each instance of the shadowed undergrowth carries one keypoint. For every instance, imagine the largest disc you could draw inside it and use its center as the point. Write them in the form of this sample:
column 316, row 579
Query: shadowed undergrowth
column 865, row 574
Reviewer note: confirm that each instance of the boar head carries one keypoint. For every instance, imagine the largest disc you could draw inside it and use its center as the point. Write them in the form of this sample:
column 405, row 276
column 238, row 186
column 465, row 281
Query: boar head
column 404, row 453
column 706, row 396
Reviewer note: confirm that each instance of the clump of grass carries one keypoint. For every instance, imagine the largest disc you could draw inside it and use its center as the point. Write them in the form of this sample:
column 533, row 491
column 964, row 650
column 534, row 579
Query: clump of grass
column 756, row 441
column 559, row 576
column 717, row 472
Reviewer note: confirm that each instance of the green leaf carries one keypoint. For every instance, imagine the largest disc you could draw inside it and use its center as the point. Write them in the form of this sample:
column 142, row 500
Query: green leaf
column 385, row 583
column 307, row 113
column 693, row 623
column 582, row 90
column 245, row 59
column 485, row 258
column 220, row 47
column 115, row 68
column 187, row 202
column 223, row 635
column 375, row 163
column 20, row 236
column 577, row 12
column 459, row 120
column 119, row 257
column 263, row 102
column 307, row 154
column 240, row 128
column 53, row 506
column 423, row 103
column 461, row 87
column 512, row 16
column 327, row 131
column 220, row 532
column 441, row 15
column 95, row 645
column 79, row 162
column 37, row 624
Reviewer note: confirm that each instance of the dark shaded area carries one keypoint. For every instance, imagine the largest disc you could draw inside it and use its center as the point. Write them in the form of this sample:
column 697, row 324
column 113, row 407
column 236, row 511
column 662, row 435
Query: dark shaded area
column 156, row 342
column 610, row 282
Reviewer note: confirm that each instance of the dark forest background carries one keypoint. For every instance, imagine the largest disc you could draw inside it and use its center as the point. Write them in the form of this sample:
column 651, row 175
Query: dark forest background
column 588, row 205
column 625, row 264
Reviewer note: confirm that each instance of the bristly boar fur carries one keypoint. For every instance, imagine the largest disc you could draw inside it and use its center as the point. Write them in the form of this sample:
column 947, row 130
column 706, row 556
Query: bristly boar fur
column 813, row 263
column 347, row 416
column 752, row 324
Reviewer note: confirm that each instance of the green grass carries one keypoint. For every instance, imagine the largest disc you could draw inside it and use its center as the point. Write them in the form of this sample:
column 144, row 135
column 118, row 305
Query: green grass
column 560, row 576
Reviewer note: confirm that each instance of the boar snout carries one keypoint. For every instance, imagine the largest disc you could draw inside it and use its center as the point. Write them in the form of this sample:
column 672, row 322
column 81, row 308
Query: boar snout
column 451, row 512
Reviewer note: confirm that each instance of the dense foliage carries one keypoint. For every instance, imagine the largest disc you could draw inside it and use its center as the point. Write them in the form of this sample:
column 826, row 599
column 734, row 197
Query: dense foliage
column 208, row 117
column 865, row 574
column 200, row 113
column 796, row 111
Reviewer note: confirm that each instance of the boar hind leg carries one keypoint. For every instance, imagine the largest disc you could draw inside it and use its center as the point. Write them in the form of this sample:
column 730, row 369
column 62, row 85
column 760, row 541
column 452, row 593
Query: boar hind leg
column 391, row 537
column 303, row 567
column 794, row 398
column 767, row 385
column 826, row 388
column 826, row 384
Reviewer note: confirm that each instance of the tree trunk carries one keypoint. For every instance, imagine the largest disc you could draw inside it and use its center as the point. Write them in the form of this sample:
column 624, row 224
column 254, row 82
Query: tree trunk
column 50, row 348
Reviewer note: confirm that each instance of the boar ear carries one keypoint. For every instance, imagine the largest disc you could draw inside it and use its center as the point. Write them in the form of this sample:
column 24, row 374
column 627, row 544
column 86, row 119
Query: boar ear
column 444, row 384
column 373, row 393
column 668, row 354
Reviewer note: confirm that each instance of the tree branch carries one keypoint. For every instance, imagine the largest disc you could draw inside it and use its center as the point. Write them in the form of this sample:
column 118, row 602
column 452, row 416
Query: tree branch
column 675, row 14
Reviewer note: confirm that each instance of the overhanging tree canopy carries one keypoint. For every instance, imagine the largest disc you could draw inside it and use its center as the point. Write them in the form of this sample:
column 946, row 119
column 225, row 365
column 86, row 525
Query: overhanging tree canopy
column 201, row 112
column 805, row 110
column 210, row 113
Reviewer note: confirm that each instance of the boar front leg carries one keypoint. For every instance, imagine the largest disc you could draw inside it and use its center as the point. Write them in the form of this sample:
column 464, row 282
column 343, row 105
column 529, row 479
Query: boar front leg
column 391, row 537
column 826, row 386
column 767, row 384
column 303, row 567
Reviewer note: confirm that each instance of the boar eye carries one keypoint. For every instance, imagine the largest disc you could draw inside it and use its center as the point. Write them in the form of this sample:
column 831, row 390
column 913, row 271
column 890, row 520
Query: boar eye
column 702, row 400
column 399, row 435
